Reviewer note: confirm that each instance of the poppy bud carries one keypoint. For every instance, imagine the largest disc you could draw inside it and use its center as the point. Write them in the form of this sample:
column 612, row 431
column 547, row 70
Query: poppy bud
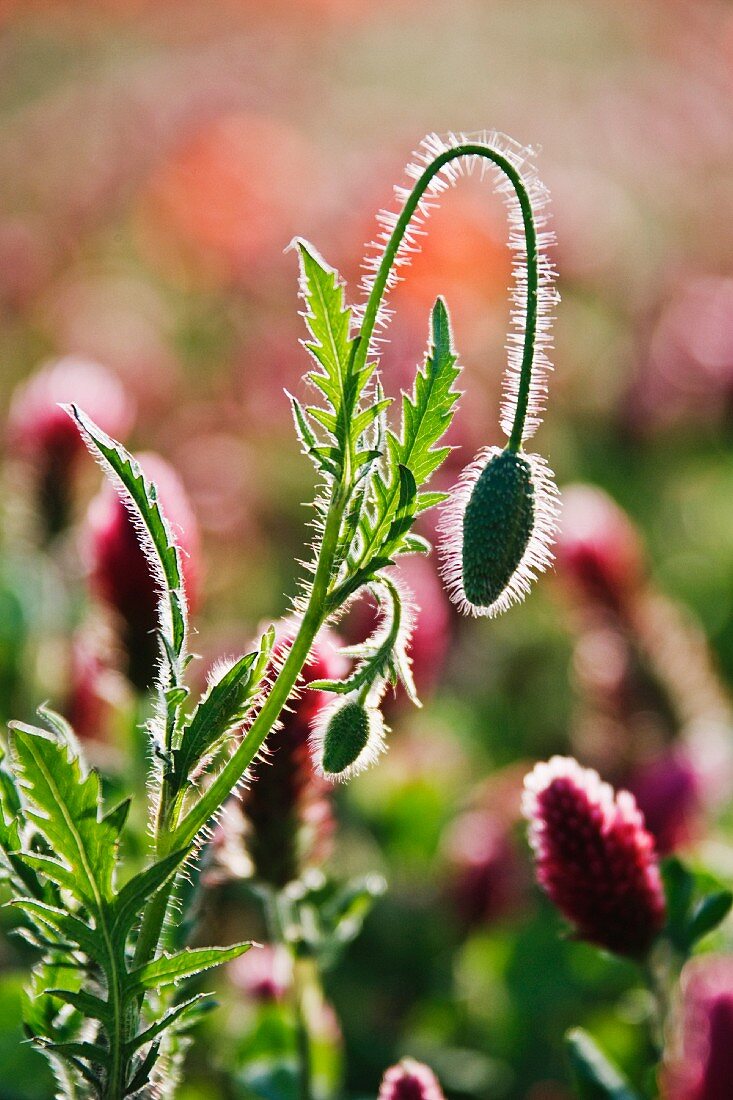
column 347, row 738
column 497, row 529
column 595, row 859
column 410, row 1080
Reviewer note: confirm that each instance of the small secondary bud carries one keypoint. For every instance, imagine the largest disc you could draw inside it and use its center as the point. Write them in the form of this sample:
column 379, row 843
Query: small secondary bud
column 497, row 527
column 347, row 738
column 410, row 1080
column 595, row 859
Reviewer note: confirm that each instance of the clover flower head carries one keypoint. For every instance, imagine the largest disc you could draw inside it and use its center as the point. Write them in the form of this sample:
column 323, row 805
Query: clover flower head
column 410, row 1080
column 594, row 857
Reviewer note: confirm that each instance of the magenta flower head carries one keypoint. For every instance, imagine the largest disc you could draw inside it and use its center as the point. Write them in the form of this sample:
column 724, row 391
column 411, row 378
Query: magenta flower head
column 121, row 574
column 595, row 859
column 598, row 550
column 410, row 1080
column 42, row 434
column 699, row 1059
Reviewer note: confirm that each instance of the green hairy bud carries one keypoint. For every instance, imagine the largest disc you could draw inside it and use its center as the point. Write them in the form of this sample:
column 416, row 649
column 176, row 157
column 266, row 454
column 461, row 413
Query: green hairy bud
column 347, row 738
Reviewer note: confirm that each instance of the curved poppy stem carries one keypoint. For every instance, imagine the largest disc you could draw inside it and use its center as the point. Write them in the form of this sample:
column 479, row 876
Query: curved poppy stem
column 381, row 279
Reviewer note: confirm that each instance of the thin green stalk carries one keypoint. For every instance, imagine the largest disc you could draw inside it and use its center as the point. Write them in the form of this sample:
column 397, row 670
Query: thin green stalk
column 379, row 286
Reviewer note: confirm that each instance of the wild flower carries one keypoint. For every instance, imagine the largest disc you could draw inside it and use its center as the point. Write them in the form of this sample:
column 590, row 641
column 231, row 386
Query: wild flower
column 598, row 552
column 373, row 484
column 121, row 570
column 41, row 433
column 594, row 857
column 410, row 1080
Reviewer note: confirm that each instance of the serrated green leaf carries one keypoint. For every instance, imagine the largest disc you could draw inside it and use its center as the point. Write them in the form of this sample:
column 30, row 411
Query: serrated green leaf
column 594, row 1075
column 86, row 1003
column 414, row 454
column 172, row 1016
column 143, row 496
column 172, row 969
column 221, row 709
column 331, row 345
column 141, row 1075
column 133, row 895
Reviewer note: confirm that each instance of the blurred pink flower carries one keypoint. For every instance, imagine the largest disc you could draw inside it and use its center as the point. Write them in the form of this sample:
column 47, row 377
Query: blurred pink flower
column 598, row 551
column 121, row 574
column 667, row 791
column 410, row 1080
column 263, row 974
column 699, row 1059
column 96, row 690
column 594, row 858
column 688, row 371
column 40, row 432
column 486, row 873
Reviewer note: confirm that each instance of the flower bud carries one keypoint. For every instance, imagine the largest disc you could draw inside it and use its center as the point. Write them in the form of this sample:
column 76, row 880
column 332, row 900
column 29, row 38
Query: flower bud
column 121, row 573
column 410, row 1080
column 347, row 738
column 497, row 527
column 594, row 857
column 41, row 433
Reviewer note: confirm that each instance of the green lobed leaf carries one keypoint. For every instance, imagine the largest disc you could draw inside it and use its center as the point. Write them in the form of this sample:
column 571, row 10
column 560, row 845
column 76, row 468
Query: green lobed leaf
column 414, row 455
column 220, row 710
column 172, row 969
column 142, row 495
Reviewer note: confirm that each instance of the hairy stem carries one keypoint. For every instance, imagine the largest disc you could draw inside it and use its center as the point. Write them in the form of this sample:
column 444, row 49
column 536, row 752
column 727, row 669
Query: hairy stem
column 379, row 286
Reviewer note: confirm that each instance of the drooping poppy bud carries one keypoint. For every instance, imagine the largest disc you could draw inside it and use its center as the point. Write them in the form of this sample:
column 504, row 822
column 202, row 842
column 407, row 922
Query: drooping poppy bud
column 594, row 857
column 42, row 434
column 410, row 1080
column 121, row 574
column 347, row 738
column 497, row 529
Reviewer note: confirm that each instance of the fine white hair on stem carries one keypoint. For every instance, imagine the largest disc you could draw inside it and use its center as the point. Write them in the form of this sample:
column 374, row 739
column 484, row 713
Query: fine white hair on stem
column 538, row 553
column 520, row 158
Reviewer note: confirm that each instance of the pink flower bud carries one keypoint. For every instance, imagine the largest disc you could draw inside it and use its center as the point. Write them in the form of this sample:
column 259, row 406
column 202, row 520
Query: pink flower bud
column 598, row 550
column 699, row 1060
column 41, row 433
column 594, row 857
column 410, row 1080
column 121, row 574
